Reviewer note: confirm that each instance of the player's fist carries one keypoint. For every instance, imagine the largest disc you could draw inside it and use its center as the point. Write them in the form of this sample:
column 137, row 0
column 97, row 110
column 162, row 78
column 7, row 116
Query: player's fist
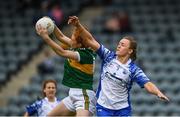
column 73, row 20
column 41, row 31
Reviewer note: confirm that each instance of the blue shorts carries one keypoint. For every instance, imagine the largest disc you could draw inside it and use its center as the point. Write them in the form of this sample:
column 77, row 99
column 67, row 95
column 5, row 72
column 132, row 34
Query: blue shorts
column 101, row 111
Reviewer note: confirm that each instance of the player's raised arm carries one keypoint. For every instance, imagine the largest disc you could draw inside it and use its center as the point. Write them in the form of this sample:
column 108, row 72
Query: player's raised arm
column 88, row 39
column 57, row 48
column 61, row 37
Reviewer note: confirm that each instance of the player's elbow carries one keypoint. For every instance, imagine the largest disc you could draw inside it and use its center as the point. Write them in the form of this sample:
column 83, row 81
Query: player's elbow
column 90, row 37
column 59, row 51
column 150, row 87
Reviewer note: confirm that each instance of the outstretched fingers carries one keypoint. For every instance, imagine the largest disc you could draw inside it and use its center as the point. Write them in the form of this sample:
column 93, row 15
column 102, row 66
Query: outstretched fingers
column 40, row 30
column 73, row 20
column 163, row 97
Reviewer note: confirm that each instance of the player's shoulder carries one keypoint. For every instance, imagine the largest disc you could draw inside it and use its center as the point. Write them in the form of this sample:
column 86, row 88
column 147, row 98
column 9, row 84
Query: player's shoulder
column 40, row 101
column 86, row 51
column 83, row 49
column 134, row 68
column 36, row 103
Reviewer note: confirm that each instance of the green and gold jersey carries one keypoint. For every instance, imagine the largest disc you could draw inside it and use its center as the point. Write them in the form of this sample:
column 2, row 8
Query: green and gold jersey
column 80, row 74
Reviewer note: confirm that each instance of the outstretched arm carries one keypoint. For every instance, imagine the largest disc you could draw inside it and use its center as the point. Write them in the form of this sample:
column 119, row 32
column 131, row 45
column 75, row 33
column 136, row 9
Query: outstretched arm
column 151, row 88
column 88, row 39
column 58, row 49
column 61, row 37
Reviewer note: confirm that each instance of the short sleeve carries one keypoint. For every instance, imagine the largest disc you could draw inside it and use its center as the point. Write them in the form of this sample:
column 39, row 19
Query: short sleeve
column 140, row 77
column 104, row 53
column 86, row 56
column 33, row 108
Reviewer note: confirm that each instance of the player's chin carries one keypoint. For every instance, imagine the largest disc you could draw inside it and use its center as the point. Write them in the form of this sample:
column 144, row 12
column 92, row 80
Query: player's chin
column 117, row 53
column 51, row 95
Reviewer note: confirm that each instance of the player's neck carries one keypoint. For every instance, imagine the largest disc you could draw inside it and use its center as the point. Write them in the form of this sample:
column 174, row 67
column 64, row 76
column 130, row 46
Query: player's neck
column 123, row 60
column 51, row 99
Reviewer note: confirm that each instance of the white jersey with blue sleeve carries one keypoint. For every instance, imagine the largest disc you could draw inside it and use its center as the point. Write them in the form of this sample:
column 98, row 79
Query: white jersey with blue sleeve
column 41, row 107
column 116, row 80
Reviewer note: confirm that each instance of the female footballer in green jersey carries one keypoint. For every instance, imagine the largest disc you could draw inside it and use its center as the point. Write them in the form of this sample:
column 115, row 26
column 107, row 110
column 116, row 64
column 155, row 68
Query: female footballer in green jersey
column 78, row 74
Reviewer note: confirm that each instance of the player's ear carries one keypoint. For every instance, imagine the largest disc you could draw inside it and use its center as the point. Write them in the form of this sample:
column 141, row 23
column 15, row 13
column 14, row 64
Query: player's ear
column 44, row 90
column 130, row 51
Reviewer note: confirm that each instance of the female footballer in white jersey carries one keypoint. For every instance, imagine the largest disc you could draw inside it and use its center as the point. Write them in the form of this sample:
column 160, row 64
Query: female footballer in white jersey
column 44, row 106
column 118, row 73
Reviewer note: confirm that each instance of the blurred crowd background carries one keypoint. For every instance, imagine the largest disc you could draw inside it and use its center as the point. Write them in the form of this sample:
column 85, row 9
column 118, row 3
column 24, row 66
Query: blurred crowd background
column 25, row 60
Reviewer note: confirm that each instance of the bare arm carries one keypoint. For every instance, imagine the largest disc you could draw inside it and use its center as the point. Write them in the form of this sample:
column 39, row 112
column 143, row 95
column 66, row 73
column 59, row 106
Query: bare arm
column 61, row 37
column 26, row 114
column 151, row 88
column 58, row 49
column 88, row 39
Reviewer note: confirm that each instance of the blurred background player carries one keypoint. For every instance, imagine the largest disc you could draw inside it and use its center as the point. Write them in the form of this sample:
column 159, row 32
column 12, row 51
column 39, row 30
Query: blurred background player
column 44, row 106
column 118, row 73
column 118, row 23
column 78, row 74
